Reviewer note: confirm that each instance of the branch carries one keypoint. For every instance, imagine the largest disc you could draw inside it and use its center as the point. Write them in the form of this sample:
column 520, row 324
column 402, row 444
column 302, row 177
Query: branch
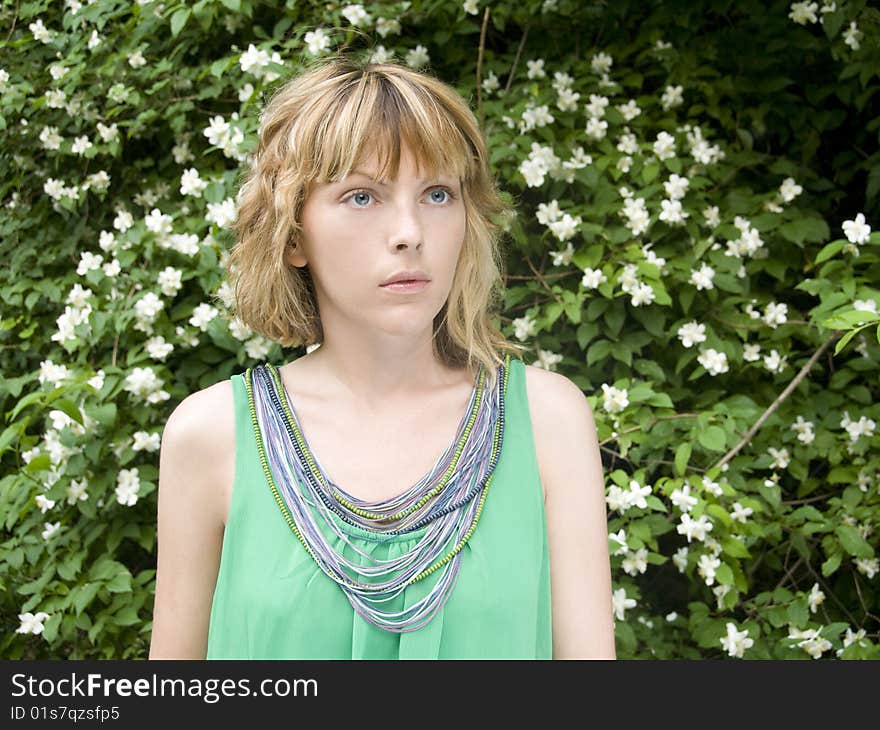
column 779, row 400
column 519, row 50
column 480, row 66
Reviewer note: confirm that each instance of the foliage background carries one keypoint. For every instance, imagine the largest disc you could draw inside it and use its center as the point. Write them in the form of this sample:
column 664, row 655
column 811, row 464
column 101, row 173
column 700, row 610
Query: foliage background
column 777, row 90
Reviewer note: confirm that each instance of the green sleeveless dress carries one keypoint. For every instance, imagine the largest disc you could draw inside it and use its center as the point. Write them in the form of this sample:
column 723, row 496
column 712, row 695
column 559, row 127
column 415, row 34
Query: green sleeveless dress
column 272, row 601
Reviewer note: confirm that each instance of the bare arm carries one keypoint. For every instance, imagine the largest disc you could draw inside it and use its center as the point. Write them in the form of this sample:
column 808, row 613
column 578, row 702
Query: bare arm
column 577, row 530
column 190, row 528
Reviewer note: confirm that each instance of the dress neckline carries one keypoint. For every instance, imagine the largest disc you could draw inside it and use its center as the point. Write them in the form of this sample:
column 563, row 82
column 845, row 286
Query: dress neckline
column 457, row 441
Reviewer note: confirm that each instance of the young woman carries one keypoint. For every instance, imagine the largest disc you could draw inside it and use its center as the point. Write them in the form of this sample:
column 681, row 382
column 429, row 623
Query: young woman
column 406, row 489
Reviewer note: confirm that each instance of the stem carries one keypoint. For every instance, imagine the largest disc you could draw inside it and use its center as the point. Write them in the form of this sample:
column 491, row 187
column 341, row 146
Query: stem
column 653, row 422
column 480, row 67
column 779, row 400
column 519, row 50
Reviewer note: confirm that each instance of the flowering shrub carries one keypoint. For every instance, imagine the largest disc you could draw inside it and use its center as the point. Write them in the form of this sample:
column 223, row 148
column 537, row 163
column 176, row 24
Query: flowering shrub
column 695, row 190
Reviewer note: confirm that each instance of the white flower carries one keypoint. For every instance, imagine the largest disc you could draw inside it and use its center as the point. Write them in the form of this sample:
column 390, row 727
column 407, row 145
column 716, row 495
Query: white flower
column 417, row 57
column 32, row 623
column 596, row 128
column 317, row 40
column 620, row 603
column 128, row 484
column 694, row 529
column 87, row 262
column 740, row 513
column 664, row 146
column 682, row 498
column 706, row 567
column 804, row 430
column 547, row 359
column 157, row 348
column 108, row 134
column 471, row 7
column 635, row 562
column 630, row 110
column 774, row 362
column 672, row 97
column 123, row 221
column 715, row 362
column 638, row 493
column 736, row 642
column 536, row 69
column 76, row 491
column 593, row 278
column 601, row 63
column 619, row 537
column 680, row 558
column 567, row 100
column 642, row 294
column 491, row 83
column 852, row 36
column 789, row 189
column 692, row 333
column 50, row 138
column 191, row 183
column 258, row 348
column 44, row 503
column 81, row 145
column 856, row 429
column 702, row 279
column 868, row 566
column 202, row 316
column 857, row 231
column 776, row 314
column 811, row 642
column 94, row 40
column 816, row 598
column 865, row 305
column 548, row 212
column 147, row 308
column 804, row 12
column 676, row 187
column 712, row 216
column 144, row 383
column 49, row 529
column 524, row 327
column 41, row 33
column 382, row 55
column 112, row 268
column 614, row 399
column 672, row 212
column 565, row 228
column 356, row 15
column 136, row 59
column 713, row 488
column 143, row 441
column 223, row 214
column 170, row 281
column 781, row 458
column 385, row 26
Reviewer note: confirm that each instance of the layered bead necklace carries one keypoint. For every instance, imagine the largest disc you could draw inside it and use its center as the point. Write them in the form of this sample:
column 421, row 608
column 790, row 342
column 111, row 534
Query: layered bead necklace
column 445, row 505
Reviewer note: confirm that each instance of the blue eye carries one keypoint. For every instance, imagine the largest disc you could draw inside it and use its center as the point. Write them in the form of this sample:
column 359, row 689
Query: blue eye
column 443, row 192
column 359, row 198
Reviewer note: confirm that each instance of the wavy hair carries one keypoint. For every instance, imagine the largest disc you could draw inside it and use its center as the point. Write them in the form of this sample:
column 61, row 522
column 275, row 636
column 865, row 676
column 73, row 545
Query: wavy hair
column 316, row 128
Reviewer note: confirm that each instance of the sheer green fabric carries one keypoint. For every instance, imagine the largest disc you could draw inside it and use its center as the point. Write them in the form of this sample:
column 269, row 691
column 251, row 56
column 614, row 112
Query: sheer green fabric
column 272, row 601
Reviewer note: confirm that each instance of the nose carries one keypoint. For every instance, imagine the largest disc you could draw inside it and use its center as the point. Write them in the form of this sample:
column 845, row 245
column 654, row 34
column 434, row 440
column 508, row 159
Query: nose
column 405, row 227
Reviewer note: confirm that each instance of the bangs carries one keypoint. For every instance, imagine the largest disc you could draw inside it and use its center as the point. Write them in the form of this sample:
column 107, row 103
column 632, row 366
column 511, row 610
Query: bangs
column 373, row 117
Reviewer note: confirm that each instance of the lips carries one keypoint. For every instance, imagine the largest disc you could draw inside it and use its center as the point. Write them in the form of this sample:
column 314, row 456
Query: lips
column 405, row 277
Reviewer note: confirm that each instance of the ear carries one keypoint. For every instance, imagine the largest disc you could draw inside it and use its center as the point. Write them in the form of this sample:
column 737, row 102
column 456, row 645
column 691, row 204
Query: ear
column 293, row 256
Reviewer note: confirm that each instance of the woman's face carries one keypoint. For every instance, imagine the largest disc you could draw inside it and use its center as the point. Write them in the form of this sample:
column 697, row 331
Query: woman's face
column 357, row 233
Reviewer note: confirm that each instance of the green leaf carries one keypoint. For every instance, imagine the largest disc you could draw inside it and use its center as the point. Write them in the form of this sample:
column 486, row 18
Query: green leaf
column 829, row 250
column 84, row 596
column 178, row 20
column 70, row 408
column 853, row 542
column 712, row 438
column 682, row 456
column 735, row 549
column 832, row 564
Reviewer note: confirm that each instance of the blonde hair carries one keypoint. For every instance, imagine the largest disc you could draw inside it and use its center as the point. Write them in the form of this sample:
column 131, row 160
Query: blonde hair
column 316, row 128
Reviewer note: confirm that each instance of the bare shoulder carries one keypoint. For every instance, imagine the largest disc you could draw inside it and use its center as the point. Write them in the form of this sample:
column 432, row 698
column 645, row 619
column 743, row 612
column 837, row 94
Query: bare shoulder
column 201, row 429
column 561, row 419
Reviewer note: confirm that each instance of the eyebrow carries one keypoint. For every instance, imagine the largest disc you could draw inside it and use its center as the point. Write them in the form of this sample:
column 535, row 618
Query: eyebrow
column 381, row 184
